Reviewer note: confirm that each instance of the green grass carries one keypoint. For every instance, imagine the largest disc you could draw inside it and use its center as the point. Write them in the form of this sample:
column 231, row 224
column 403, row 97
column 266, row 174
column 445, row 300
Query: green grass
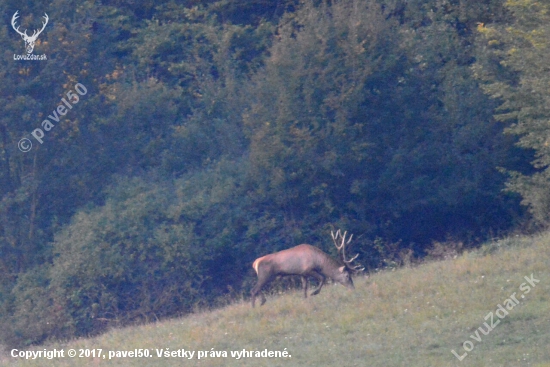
column 407, row 317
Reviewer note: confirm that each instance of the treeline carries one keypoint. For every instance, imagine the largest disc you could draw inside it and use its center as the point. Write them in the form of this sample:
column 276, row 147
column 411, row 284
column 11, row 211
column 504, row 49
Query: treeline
column 214, row 132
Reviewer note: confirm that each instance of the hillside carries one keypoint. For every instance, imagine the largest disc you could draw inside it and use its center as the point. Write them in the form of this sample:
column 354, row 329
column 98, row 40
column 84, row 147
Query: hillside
column 406, row 317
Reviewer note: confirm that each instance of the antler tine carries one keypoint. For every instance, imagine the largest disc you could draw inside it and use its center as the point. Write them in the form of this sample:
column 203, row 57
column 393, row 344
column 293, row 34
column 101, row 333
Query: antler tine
column 44, row 23
column 343, row 245
column 37, row 32
column 355, row 268
column 358, row 268
column 350, row 260
column 334, row 238
column 13, row 19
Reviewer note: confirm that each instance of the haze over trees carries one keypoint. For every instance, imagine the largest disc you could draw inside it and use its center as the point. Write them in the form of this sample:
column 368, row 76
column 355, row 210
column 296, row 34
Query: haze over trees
column 215, row 132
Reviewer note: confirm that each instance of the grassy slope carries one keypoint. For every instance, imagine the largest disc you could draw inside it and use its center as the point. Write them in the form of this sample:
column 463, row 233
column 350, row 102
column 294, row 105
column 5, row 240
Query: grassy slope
column 407, row 317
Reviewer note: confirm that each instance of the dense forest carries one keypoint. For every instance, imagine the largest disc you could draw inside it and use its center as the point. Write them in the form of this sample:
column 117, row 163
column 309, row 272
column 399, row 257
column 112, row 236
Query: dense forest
column 194, row 136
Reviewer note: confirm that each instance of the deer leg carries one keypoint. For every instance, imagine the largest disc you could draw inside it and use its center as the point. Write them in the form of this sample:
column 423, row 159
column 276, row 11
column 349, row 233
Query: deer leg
column 263, row 299
column 304, row 285
column 321, row 278
column 258, row 289
column 254, row 292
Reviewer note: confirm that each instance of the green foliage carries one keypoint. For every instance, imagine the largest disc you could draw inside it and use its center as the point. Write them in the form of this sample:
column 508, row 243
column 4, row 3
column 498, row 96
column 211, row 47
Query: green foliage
column 154, row 249
column 360, row 120
column 300, row 121
column 513, row 65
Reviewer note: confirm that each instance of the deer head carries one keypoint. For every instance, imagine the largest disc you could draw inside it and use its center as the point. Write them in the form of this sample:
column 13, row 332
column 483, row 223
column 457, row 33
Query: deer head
column 342, row 251
column 29, row 40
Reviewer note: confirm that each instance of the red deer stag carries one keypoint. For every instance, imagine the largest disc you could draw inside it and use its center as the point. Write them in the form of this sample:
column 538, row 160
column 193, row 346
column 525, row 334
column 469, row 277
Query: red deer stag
column 306, row 260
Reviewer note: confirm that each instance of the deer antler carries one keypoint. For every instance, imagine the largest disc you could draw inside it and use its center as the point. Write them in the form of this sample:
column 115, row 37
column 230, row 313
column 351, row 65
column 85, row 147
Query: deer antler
column 29, row 40
column 342, row 250
column 15, row 16
column 43, row 25
column 35, row 34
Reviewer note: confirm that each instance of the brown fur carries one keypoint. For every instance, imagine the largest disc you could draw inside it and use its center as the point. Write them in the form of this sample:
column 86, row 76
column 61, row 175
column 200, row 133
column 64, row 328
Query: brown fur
column 303, row 260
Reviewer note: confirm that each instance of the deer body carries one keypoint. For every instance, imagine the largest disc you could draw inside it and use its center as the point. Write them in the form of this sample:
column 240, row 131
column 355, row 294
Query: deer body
column 303, row 260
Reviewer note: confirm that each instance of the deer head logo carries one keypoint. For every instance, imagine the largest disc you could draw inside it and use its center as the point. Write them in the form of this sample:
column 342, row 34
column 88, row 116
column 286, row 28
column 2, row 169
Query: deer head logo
column 29, row 40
